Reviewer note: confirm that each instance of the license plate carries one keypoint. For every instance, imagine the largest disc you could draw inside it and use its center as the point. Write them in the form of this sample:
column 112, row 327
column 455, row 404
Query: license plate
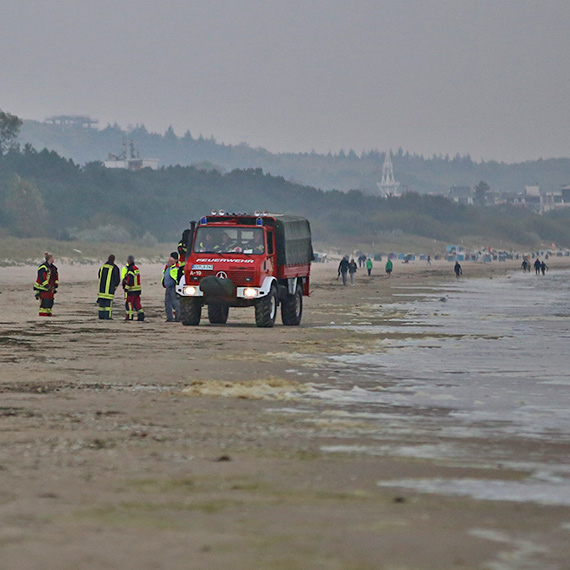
column 203, row 267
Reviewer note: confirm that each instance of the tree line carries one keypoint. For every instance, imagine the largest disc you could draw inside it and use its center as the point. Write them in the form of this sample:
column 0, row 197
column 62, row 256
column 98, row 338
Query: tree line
column 43, row 194
column 343, row 170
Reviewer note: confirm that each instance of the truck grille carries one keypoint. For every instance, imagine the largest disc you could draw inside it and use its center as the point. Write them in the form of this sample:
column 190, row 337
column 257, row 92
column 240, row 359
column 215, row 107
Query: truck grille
column 240, row 277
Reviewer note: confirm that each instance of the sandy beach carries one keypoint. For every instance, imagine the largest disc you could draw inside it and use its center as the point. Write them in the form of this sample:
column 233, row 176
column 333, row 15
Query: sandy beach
column 156, row 446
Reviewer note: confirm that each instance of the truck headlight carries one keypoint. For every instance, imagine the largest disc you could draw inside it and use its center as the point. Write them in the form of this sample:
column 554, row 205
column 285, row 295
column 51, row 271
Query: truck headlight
column 250, row 292
column 190, row 290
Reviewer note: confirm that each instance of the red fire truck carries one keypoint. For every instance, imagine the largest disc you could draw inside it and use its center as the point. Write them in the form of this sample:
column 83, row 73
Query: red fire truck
column 244, row 260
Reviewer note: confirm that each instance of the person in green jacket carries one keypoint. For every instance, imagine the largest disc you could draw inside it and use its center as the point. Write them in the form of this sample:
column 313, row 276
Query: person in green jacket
column 369, row 266
column 389, row 267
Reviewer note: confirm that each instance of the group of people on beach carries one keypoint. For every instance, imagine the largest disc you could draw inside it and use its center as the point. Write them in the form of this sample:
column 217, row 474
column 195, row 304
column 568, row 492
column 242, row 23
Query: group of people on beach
column 110, row 277
column 539, row 266
column 349, row 268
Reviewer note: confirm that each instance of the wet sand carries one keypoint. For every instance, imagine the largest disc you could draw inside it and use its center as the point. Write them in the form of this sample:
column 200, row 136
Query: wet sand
column 153, row 445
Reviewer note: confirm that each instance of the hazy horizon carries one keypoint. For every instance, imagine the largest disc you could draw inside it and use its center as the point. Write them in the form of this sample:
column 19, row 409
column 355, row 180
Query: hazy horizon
column 489, row 79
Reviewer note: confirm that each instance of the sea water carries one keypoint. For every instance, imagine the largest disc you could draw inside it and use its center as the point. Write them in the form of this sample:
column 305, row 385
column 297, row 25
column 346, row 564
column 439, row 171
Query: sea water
column 480, row 377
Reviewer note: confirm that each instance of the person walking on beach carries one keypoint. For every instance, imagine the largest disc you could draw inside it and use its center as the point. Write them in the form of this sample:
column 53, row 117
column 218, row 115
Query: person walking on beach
column 369, row 266
column 429, row 259
column 352, row 268
column 343, row 268
column 458, row 270
column 47, row 282
column 389, row 267
column 109, row 280
column 524, row 265
column 169, row 282
column 537, row 265
column 543, row 268
column 132, row 287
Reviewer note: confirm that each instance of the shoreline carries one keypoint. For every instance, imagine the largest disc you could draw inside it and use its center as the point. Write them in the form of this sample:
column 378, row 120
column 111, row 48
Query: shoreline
column 132, row 445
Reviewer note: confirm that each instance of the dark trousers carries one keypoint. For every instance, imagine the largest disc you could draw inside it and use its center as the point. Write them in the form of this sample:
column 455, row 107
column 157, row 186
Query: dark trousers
column 105, row 308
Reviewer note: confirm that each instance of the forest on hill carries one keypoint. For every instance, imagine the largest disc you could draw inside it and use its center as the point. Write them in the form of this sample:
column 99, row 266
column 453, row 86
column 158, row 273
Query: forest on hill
column 345, row 170
column 43, row 194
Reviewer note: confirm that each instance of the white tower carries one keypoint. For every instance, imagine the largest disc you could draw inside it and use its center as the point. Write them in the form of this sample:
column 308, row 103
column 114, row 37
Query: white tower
column 388, row 186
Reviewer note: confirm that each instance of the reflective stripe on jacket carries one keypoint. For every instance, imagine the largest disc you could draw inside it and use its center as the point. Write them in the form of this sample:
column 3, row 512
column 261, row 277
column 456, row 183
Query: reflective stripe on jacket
column 108, row 281
column 47, row 278
column 173, row 270
column 132, row 280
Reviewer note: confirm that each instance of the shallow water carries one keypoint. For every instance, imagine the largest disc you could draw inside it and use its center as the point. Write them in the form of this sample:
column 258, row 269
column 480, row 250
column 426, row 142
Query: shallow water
column 478, row 379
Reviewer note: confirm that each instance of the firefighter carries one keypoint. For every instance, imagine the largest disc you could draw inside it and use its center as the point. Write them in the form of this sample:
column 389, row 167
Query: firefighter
column 109, row 280
column 169, row 282
column 123, row 275
column 46, row 285
column 207, row 244
column 183, row 248
column 226, row 244
column 132, row 287
column 256, row 244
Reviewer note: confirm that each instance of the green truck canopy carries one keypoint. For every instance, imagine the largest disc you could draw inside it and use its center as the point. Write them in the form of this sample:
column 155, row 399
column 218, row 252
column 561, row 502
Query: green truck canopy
column 293, row 239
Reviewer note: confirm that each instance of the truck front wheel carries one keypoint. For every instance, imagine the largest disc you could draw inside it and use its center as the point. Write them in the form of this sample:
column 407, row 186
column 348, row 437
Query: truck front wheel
column 218, row 314
column 266, row 309
column 292, row 308
column 190, row 311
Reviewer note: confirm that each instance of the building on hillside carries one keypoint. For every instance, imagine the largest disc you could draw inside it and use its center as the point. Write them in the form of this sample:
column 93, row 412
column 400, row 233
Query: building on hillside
column 538, row 200
column 514, row 198
column 129, row 159
column 462, row 194
column 67, row 121
column 131, row 163
column 565, row 190
column 552, row 201
column 532, row 190
column 533, row 199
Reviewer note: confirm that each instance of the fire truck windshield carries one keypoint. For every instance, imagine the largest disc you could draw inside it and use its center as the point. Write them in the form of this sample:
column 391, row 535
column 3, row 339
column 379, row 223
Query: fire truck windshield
column 211, row 239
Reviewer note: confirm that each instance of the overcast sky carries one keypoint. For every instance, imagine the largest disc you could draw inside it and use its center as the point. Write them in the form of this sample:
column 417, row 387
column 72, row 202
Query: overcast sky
column 485, row 77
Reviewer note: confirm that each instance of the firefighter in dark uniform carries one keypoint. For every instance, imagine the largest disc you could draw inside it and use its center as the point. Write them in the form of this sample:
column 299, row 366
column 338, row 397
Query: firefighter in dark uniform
column 208, row 244
column 47, row 282
column 109, row 280
column 183, row 248
column 132, row 287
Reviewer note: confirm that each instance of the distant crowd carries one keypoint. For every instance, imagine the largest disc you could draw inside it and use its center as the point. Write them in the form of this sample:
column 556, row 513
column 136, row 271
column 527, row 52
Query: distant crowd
column 348, row 267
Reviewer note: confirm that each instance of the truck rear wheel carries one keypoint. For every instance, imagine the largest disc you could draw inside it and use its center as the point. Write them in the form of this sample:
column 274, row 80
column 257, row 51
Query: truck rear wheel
column 190, row 311
column 266, row 309
column 292, row 308
column 218, row 314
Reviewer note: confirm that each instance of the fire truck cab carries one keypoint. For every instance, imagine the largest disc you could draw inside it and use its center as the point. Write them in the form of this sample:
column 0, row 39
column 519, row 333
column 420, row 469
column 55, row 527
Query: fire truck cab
column 245, row 260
